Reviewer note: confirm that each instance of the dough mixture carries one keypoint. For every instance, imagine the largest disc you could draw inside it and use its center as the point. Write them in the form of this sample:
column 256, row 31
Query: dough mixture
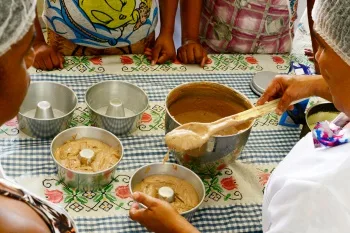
column 105, row 156
column 197, row 116
column 186, row 196
column 206, row 109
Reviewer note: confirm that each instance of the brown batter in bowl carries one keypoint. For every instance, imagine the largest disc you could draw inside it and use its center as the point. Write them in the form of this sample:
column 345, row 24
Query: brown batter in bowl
column 186, row 197
column 206, row 104
column 105, row 156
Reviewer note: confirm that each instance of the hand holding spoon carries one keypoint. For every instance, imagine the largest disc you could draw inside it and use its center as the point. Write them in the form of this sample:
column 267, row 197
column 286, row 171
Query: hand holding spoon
column 193, row 135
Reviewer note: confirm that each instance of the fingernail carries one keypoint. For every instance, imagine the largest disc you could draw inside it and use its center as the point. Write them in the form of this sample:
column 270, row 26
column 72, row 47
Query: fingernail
column 279, row 112
column 135, row 195
column 153, row 63
column 134, row 207
column 132, row 211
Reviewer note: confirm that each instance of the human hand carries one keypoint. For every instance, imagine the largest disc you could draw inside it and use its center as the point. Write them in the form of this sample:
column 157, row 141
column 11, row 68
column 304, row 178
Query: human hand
column 159, row 217
column 162, row 51
column 290, row 88
column 192, row 52
column 46, row 57
column 310, row 54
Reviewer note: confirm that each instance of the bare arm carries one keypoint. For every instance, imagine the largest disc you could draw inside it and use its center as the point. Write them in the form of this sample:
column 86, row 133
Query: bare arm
column 46, row 57
column 291, row 88
column 190, row 19
column 39, row 33
column 167, row 16
column 164, row 48
column 310, row 4
column 191, row 51
column 16, row 216
column 322, row 89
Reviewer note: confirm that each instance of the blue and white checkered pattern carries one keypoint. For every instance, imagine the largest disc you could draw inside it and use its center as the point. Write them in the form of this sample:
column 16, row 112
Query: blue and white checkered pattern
column 238, row 218
column 32, row 156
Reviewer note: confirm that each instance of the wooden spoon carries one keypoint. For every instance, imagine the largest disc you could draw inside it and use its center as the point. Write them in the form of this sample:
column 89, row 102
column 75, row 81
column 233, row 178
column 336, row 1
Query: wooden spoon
column 193, row 135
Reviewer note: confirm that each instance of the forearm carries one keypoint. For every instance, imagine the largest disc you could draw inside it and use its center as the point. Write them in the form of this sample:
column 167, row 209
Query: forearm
column 39, row 33
column 310, row 4
column 185, row 228
column 190, row 19
column 167, row 16
column 321, row 88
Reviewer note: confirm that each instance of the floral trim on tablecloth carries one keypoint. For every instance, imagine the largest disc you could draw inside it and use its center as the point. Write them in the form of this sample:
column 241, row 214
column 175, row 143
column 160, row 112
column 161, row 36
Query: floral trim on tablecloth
column 10, row 128
column 225, row 185
column 153, row 119
column 221, row 185
column 114, row 198
column 282, row 62
column 233, row 62
column 139, row 64
column 80, row 65
column 264, row 176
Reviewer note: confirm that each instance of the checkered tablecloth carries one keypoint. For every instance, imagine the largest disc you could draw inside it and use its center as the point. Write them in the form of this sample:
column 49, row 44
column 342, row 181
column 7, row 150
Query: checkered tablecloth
column 28, row 157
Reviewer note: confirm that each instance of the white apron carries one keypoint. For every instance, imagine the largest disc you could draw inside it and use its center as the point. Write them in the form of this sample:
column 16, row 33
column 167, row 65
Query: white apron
column 309, row 192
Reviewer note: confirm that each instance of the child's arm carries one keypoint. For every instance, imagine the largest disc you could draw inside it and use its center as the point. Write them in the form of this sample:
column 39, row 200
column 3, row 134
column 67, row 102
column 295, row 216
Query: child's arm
column 164, row 48
column 191, row 50
column 46, row 57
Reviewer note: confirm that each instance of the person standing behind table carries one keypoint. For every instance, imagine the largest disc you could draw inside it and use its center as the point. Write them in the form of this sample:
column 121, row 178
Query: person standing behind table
column 308, row 192
column 21, row 211
column 235, row 26
column 104, row 27
column 308, row 52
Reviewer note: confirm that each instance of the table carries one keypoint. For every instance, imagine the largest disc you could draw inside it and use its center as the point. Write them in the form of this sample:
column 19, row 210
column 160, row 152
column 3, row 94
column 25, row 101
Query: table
column 234, row 193
column 231, row 205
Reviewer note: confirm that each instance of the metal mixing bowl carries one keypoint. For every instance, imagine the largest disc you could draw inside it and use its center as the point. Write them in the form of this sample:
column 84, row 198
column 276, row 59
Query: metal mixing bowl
column 62, row 100
column 220, row 149
column 86, row 180
column 175, row 170
column 321, row 107
column 133, row 98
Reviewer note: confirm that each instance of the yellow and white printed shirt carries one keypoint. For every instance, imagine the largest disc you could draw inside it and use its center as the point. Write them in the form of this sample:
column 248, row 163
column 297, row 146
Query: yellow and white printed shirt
column 102, row 23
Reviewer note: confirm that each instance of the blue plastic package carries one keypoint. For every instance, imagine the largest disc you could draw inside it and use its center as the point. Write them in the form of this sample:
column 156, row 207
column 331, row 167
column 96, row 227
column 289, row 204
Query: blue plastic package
column 295, row 117
column 300, row 69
